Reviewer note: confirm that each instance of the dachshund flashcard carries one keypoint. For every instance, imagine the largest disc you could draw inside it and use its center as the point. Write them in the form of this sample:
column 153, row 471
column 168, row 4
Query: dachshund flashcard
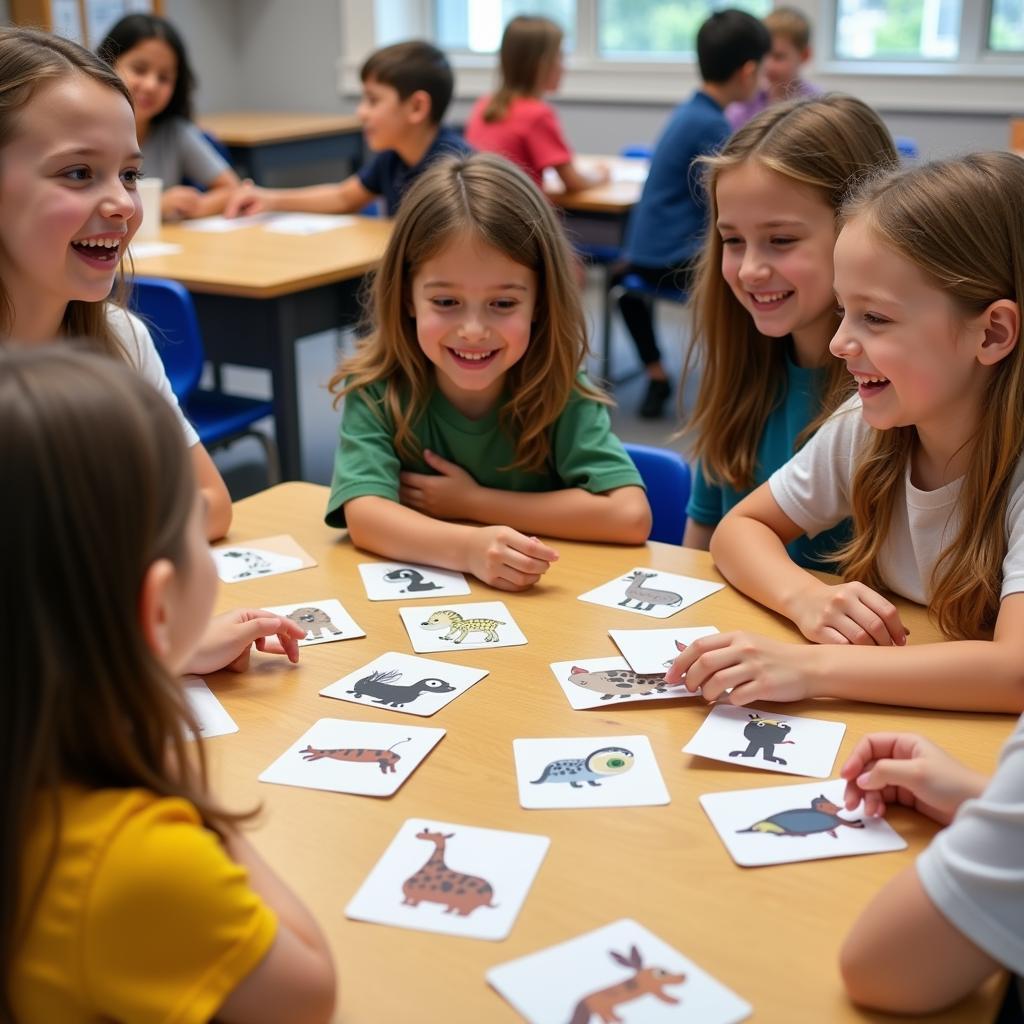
column 461, row 627
column 405, row 581
column 324, row 620
column 269, row 556
column 651, row 592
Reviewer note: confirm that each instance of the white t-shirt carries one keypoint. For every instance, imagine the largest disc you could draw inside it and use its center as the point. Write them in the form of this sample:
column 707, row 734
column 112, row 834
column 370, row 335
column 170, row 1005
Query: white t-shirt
column 813, row 489
column 134, row 337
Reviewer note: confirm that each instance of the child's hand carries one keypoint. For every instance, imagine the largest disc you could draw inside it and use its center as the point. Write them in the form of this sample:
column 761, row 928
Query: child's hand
column 227, row 642
column 246, row 200
column 507, row 559
column 902, row 768
column 445, row 496
column 849, row 613
column 180, row 202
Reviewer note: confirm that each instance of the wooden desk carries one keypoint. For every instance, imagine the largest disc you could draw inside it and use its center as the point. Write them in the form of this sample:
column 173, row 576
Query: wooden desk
column 772, row 934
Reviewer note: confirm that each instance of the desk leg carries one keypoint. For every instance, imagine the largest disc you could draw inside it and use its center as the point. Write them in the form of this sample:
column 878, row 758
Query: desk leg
column 286, row 392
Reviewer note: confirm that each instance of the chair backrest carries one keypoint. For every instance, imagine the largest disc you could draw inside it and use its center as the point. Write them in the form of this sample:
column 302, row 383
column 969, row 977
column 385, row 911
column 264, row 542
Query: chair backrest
column 167, row 309
column 637, row 152
column 667, row 478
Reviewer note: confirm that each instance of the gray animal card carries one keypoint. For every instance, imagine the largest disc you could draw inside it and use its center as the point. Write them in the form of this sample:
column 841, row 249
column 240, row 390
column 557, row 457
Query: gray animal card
column 268, row 556
column 651, row 592
column 461, row 627
column 588, row 771
column 324, row 621
column 452, row 879
column 653, row 650
column 621, row 972
column 600, row 682
column 210, row 714
column 768, row 740
column 367, row 758
column 403, row 581
column 403, row 682
column 784, row 824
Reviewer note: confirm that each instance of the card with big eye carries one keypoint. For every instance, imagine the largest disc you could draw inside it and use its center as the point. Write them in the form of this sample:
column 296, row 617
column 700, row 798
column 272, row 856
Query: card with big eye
column 403, row 581
column 653, row 650
column 211, row 716
column 599, row 682
column 324, row 621
column 461, row 627
column 268, row 556
column 651, row 592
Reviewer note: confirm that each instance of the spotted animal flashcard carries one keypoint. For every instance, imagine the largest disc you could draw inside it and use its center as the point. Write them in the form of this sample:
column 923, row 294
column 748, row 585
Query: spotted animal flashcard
column 324, row 621
column 255, row 559
column 651, row 592
column 461, row 627
column 403, row 581
column 367, row 758
column 403, row 682
column 453, row 879
column 602, row 682
column 650, row 651
column 211, row 716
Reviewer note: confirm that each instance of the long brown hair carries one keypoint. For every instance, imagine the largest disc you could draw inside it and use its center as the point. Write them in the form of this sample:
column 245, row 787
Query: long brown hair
column 961, row 223
column 101, row 487
column 29, row 60
column 486, row 196
column 826, row 143
column 529, row 48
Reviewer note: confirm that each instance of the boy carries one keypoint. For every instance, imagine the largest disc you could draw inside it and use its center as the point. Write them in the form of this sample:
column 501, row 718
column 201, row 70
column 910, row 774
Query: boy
column 406, row 90
column 665, row 231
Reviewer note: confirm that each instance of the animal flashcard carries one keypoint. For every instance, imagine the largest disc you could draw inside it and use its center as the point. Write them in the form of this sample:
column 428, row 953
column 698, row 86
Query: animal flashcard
column 324, row 621
column 461, row 627
column 210, row 714
column 621, row 972
column 402, row 581
column 653, row 650
column 454, row 879
column 588, row 771
column 783, row 824
column 255, row 559
column 651, row 592
column 353, row 757
column 601, row 682
column 403, row 682
column 768, row 740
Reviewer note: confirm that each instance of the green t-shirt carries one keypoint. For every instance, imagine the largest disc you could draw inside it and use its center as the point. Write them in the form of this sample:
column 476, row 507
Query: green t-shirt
column 584, row 451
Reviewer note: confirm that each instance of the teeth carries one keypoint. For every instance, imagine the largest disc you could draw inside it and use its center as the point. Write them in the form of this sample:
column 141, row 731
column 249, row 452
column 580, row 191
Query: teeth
column 871, row 380
column 99, row 243
column 471, row 356
column 769, row 296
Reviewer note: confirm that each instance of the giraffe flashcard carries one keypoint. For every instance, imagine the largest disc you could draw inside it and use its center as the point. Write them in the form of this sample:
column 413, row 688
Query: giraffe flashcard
column 461, row 627
column 651, row 592
column 324, row 621
column 404, row 581
column 602, row 682
column 621, row 972
column 210, row 714
column 452, row 879
column 649, row 651
column 255, row 559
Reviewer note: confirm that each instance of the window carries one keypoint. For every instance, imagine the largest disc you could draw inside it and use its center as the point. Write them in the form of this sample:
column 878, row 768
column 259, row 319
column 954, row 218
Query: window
column 477, row 25
column 1006, row 26
column 898, row 29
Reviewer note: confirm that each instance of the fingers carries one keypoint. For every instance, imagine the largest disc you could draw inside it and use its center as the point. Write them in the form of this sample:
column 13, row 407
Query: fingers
column 888, row 616
column 435, row 461
column 682, row 665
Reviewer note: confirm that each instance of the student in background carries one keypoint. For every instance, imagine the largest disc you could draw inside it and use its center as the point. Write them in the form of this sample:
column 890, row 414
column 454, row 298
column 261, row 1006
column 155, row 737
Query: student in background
column 406, row 91
column 764, row 303
column 69, row 161
column 515, row 121
column 666, row 229
column 791, row 50
column 467, row 402
column 150, row 57
column 926, row 458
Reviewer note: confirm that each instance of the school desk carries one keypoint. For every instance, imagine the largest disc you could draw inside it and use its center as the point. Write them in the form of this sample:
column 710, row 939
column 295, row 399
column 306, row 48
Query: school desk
column 771, row 934
column 257, row 293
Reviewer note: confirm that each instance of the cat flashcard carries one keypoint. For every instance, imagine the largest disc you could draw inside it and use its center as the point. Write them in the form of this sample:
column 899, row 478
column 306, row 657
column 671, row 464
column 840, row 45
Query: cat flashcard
column 651, row 592
column 403, row 581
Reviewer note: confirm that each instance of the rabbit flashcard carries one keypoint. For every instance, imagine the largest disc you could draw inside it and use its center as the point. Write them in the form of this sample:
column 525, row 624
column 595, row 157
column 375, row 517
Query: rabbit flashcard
column 651, row 592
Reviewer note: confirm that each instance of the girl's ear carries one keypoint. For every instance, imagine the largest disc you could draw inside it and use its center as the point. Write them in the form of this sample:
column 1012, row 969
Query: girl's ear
column 1000, row 326
column 155, row 607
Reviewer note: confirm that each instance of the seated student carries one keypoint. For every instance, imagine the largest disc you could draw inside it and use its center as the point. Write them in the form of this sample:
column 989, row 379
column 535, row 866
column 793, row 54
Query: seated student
column 466, row 402
column 149, row 56
column 791, row 50
column 515, row 121
column 406, row 90
column 666, row 229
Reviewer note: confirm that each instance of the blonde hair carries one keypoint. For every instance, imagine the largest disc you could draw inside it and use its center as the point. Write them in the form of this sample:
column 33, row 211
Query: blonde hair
column 529, row 48
column 486, row 196
column 826, row 143
column 791, row 24
column 960, row 223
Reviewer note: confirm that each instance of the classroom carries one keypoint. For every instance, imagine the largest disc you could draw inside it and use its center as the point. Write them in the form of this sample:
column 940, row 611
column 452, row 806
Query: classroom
column 490, row 327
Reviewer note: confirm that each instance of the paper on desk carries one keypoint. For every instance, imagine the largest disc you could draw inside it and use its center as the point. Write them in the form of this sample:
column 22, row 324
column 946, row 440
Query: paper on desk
column 632, row 170
column 307, row 223
column 144, row 250
column 221, row 225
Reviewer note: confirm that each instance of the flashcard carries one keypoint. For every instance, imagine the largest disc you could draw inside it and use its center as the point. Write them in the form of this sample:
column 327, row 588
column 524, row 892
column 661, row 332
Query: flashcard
column 594, row 682
column 461, row 627
column 353, row 757
column 324, row 621
column 784, row 824
column 650, row 651
column 620, row 972
column 145, row 250
column 212, row 718
column 651, row 592
column 403, row 682
column 594, row 771
column 768, row 740
column 306, row 223
column 267, row 556
column 452, row 879
column 219, row 225
column 396, row 581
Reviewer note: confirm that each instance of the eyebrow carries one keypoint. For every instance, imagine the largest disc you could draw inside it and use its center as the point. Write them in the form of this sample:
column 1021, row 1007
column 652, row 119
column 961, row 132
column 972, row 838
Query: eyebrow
column 889, row 300
column 93, row 151
column 791, row 223
column 507, row 286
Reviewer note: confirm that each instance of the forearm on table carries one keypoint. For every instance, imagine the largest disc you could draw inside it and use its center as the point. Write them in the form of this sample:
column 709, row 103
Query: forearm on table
column 327, row 198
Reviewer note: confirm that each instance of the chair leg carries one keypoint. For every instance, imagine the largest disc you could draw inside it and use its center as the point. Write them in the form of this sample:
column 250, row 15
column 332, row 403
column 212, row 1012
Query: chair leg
column 270, row 453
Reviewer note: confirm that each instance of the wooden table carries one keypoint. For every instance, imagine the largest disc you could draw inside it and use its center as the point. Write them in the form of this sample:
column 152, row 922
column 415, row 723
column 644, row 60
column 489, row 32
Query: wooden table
column 771, row 934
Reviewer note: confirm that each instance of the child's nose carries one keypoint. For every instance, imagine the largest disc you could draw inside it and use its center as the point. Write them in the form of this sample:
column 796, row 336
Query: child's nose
column 753, row 268
column 843, row 343
column 118, row 202
column 473, row 328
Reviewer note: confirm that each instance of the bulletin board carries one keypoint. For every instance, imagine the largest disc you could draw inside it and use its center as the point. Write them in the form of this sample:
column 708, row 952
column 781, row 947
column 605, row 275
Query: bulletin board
column 83, row 21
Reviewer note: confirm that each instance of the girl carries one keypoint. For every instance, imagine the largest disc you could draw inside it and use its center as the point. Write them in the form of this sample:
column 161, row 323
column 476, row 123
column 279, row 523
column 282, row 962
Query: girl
column 69, row 162
column 466, row 401
column 515, row 121
column 148, row 54
column 126, row 893
column 764, row 309
column 926, row 458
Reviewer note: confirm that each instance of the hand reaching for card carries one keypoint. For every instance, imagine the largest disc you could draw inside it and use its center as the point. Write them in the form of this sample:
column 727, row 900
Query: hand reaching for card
column 850, row 613
column 229, row 638
column 508, row 559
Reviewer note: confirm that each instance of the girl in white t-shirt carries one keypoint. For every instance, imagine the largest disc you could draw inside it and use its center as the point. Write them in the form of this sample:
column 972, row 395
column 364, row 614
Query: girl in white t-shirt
column 925, row 458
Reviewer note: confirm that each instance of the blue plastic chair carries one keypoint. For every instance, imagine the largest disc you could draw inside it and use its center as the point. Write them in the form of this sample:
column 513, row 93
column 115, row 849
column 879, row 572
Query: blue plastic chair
column 907, row 148
column 667, row 477
column 219, row 418
column 638, row 152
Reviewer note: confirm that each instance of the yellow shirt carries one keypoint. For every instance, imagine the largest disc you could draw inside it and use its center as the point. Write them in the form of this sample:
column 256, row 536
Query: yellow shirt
column 143, row 918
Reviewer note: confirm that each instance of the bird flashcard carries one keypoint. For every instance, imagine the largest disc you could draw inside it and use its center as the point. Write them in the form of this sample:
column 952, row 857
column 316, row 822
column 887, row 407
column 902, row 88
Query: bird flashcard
column 324, row 621
column 255, row 559
column 651, row 592
column 404, row 581
column 461, row 627
column 602, row 682
column 654, row 650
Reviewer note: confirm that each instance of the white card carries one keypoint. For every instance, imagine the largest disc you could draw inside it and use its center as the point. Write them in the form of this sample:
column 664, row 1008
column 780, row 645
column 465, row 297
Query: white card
column 403, row 682
column 651, row 592
column 353, row 757
column 768, row 740
column 594, row 771
column 461, row 627
column 599, row 682
column 394, row 581
column 622, row 968
column 212, row 718
column 783, row 824
column 145, row 250
column 306, row 223
column 412, row 885
column 240, row 563
column 219, row 225
column 653, row 650
column 324, row 621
